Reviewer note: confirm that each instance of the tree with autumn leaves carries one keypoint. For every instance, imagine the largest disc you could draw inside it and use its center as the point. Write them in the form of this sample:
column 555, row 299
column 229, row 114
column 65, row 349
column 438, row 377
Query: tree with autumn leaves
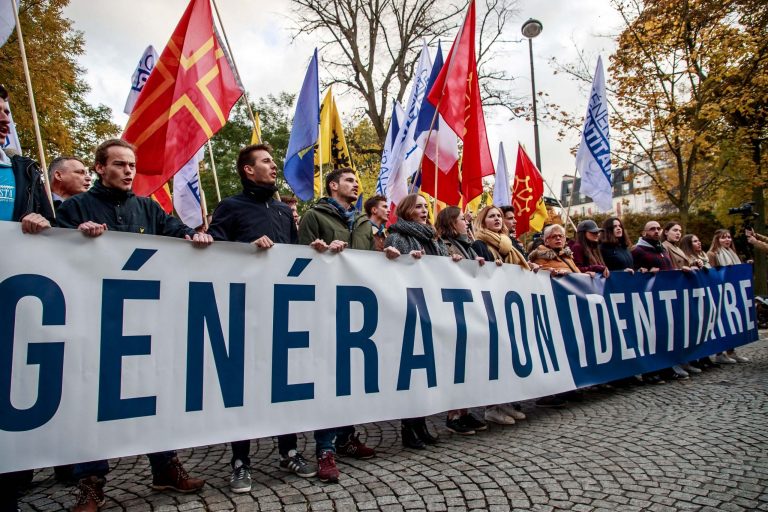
column 69, row 124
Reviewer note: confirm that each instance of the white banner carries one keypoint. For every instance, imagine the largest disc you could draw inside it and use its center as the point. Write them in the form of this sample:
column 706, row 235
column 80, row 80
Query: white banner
column 130, row 344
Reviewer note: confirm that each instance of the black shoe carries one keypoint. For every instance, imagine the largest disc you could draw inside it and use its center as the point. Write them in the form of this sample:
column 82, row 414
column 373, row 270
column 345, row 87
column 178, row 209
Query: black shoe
column 471, row 421
column 420, row 427
column 550, row 401
column 457, row 426
column 409, row 437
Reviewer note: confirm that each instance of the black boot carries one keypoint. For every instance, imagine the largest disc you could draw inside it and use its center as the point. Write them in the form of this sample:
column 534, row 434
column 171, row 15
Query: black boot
column 410, row 437
column 420, row 426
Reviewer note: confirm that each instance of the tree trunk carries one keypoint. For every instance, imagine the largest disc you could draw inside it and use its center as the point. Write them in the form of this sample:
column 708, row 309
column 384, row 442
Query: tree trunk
column 758, row 196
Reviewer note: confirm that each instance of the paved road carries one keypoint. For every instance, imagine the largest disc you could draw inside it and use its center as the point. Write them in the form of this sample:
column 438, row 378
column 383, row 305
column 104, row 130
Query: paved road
column 700, row 444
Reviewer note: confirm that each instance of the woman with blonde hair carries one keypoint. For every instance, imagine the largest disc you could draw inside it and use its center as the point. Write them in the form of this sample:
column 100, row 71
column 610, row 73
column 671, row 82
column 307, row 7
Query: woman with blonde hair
column 721, row 254
column 492, row 243
column 492, row 240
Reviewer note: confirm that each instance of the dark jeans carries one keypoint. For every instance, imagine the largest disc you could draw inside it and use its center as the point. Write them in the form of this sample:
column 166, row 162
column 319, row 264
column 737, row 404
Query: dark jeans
column 159, row 461
column 11, row 485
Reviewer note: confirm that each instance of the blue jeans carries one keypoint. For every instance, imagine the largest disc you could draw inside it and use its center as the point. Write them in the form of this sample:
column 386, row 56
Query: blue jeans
column 324, row 441
column 158, row 461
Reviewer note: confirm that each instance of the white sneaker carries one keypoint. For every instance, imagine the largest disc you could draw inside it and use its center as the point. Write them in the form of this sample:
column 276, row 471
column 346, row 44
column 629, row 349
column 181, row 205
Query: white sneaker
column 509, row 410
column 724, row 359
column 690, row 368
column 496, row 415
column 738, row 358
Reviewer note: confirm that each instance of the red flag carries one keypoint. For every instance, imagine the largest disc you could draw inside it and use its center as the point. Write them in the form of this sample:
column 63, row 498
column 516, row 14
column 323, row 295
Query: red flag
column 162, row 196
column 526, row 192
column 448, row 187
column 186, row 99
column 456, row 94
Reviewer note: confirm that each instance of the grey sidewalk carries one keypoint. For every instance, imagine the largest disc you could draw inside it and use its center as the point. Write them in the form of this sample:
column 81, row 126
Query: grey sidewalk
column 700, row 444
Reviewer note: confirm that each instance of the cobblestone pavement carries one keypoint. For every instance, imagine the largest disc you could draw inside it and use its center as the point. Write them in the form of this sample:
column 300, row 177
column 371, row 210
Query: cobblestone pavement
column 700, row 444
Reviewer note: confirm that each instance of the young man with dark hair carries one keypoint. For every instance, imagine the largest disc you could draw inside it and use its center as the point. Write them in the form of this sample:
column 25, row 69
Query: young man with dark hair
column 111, row 205
column 334, row 224
column 254, row 216
column 377, row 210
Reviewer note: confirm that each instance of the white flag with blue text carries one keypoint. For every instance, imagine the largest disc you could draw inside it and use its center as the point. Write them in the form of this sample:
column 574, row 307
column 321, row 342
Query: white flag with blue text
column 593, row 159
column 143, row 69
column 501, row 195
column 7, row 20
column 397, row 187
column 385, row 171
column 186, row 192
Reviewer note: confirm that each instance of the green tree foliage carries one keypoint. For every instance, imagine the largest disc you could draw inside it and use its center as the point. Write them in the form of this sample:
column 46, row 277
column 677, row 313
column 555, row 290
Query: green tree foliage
column 68, row 124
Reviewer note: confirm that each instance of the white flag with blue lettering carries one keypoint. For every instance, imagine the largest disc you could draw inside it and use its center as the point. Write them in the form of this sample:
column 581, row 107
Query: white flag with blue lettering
column 186, row 192
column 7, row 20
column 593, row 159
column 393, row 133
column 143, row 69
column 405, row 146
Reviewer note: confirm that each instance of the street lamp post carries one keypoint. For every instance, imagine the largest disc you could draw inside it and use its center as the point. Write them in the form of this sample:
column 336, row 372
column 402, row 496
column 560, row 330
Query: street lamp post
column 531, row 29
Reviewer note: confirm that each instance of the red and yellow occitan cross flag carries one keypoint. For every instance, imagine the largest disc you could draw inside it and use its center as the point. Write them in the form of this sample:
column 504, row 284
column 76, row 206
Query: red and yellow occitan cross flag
column 456, row 94
column 186, row 99
column 528, row 195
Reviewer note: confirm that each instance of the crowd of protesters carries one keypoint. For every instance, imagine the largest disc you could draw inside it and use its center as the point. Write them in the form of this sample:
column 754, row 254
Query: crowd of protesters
column 332, row 224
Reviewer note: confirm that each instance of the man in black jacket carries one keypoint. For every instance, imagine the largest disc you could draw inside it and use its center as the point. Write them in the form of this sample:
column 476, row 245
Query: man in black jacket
column 256, row 217
column 111, row 205
column 22, row 192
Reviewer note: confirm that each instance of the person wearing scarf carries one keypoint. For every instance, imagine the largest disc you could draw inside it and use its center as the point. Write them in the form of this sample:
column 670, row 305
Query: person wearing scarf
column 412, row 234
column 492, row 240
column 721, row 254
column 451, row 227
column 493, row 243
column 553, row 254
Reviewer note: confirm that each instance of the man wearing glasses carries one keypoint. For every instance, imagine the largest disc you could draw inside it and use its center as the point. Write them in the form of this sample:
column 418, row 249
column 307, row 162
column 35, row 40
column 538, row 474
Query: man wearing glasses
column 68, row 177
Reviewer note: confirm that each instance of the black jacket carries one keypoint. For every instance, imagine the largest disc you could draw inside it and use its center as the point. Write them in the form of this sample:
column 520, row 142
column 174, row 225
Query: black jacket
column 30, row 191
column 120, row 211
column 616, row 257
column 251, row 215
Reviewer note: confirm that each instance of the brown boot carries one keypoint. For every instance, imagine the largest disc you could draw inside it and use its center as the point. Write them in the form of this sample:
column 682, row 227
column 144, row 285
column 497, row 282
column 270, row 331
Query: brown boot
column 174, row 477
column 90, row 494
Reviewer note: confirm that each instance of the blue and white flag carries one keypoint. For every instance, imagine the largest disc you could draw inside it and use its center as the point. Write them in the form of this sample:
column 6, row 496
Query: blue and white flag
column 593, row 159
column 143, row 69
column 299, row 169
column 405, row 146
column 441, row 147
column 186, row 192
column 7, row 20
column 12, row 139
column 501, row 194
column 386, row 155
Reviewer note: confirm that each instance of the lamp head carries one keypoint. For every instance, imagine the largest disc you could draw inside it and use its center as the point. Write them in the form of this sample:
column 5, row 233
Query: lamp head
column 532, row 28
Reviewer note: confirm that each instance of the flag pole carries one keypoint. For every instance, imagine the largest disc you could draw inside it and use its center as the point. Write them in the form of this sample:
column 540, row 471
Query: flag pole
column 203, row 204
column 234, row 64
column 31, row 96
column 213, row 168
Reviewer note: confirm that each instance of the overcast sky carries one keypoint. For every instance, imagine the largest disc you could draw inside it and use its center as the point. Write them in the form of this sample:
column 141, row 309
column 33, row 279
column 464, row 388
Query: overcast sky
column 116, row 33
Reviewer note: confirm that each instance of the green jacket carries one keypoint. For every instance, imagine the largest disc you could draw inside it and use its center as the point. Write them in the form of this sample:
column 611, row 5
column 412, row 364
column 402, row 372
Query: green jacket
column 324, row 222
